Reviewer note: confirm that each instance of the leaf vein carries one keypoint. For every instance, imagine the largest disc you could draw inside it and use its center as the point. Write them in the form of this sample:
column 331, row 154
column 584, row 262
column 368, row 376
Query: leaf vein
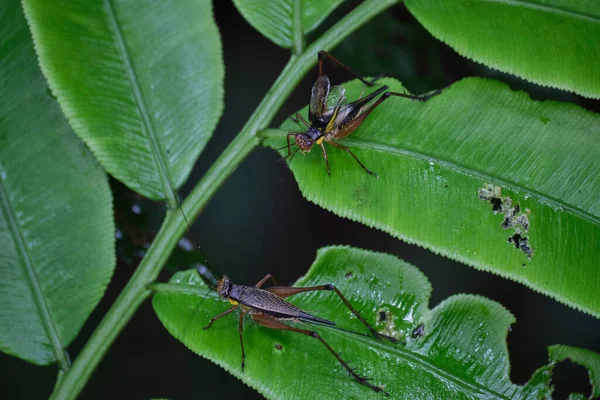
column 127, row 64
column 33, row 281
column 472, row 172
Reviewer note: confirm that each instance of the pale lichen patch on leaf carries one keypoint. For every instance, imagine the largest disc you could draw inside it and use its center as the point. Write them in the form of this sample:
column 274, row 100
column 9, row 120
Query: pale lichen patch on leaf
column 514, row 218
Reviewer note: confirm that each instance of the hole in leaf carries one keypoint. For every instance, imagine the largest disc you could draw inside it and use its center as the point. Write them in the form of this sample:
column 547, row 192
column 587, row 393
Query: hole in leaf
column 513, row 217
column 521, row 243
column 568, row 378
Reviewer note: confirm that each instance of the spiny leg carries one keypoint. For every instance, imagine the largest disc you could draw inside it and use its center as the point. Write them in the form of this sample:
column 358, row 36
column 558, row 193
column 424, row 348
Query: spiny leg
column 339, row 146
column 286, row 291
column 323, row 54
column 273, row 323
column 266, row 278
column 216, row 317
column 240, row 330
column 326, row 159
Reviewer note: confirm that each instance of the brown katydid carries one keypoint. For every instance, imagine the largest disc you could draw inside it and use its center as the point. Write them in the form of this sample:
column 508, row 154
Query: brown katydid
column 268, row 308
column 331, row 118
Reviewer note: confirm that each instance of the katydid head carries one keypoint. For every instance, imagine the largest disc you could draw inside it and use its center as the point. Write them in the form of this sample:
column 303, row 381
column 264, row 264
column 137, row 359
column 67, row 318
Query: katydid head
column 306, row 140
column 224, row 287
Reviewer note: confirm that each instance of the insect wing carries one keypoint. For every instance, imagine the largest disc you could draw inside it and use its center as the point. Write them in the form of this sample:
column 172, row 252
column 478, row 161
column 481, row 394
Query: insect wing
column 269, row 303
column 336, row 98
column 318, row 99
column 352, row 111
column 335, row 106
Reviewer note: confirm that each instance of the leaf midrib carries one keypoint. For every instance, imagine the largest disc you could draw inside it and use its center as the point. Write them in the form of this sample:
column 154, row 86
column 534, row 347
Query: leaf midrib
column 369, row 145
column 32, row 279
column 156, row 149
column 548, row 8
column 399, row 352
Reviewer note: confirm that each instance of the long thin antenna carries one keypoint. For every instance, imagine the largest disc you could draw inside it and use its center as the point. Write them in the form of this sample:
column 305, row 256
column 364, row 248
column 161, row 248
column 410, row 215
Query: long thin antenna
column 192, row 232
column 208, row 276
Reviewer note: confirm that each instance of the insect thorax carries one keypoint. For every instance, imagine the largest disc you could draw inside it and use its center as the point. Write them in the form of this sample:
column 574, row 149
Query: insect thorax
column 314, row 133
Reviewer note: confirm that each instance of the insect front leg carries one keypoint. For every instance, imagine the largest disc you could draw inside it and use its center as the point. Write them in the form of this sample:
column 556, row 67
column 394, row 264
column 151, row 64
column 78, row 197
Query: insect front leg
column 289, row 146
column 270, row 322
column 299, row 118
column 216, row 317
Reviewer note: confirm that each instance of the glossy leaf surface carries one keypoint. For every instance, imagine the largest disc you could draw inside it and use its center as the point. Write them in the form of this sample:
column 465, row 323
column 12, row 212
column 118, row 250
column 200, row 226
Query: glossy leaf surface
column 481, row 174
column 56, row 227
column 462, row 353
column 140, row 82
column 548, row 42
column 274, row 18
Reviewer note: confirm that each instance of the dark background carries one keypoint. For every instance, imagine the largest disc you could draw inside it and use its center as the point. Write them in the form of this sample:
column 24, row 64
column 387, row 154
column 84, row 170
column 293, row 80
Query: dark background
column 258, row 223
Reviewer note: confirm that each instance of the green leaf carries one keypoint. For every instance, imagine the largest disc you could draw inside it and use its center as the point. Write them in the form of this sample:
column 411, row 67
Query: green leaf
column 583, row 357
column 551, row 43
column 141, row 84
column 274, row 18
column 480, row 174
column 56, row 227
column 462, row 353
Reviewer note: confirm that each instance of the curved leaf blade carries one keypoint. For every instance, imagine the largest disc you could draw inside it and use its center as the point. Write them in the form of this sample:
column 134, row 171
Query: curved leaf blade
column 583, row 357
column 56, row 227
column 142, row 85
column 551, row 43
column 480, row 174
column 274, row 18
column 462, row 354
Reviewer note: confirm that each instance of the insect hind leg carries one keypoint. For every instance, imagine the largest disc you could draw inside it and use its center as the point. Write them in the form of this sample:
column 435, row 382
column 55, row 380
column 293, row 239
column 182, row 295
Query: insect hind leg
column 272, row 323
column 323, row 54
column 422, row 97
column 286, row 291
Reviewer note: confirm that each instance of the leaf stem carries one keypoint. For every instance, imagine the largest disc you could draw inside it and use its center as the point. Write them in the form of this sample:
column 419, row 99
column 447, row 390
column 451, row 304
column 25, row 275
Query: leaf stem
column 174, row 225
column 270, row 133
column 297, row 31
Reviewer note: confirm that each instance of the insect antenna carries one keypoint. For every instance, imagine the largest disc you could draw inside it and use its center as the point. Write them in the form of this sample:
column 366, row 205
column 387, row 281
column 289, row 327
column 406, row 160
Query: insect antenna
column 285, row 147
column 293, row 154
column 204, row 271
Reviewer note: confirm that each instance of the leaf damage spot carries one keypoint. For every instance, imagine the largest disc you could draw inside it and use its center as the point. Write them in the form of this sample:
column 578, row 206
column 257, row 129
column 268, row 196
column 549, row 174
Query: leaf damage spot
column 382, row 315
column 386, row 319
column 521, row 242
column 514, row 218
